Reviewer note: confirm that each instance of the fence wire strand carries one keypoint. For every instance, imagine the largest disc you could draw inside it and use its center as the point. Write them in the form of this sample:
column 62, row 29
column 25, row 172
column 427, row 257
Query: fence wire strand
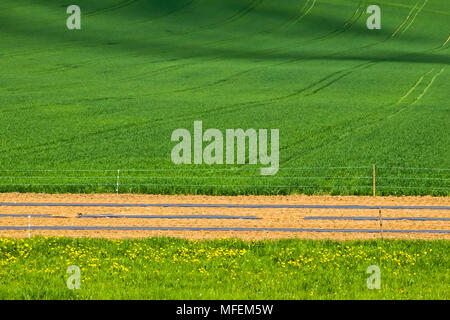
column 132, row 178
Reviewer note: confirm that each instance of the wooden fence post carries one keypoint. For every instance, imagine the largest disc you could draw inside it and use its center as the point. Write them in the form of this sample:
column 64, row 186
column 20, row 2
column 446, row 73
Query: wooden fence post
column 380, row 219
column 373, row 180
column 118, row 175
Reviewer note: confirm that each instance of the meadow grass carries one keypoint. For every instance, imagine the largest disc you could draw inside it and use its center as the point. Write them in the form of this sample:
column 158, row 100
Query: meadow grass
column 169, row 268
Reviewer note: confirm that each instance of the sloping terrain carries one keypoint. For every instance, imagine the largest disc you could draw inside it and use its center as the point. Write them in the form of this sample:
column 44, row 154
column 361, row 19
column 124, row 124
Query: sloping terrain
column 109, row 96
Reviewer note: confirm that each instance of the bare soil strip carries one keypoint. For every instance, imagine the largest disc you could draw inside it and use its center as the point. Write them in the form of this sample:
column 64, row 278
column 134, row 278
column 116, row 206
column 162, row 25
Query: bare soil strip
column 199, row 220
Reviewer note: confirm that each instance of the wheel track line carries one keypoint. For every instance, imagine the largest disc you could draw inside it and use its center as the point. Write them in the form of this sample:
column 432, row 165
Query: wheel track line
column 325, row 37
column 421, row 78
column 299, row 92
column 340, row 74
column 119, row 5
column 285, row 26
column 399, row 30
column 269, row 31
column 174, row 11
column 207, row 27
column 338, row 31
column 352, row 70
column 420, row 96
column 445, row 42
column 214, row 83
column 195, row 114
column 179, row 66
column 272, row 50
column 405, row 21
column 237, row 16
column 239, row 106
column 70, row 45
column 376, row 121
column 124, row 4
column 333, row 34
column 361, row 127
column 249, row 8
column 370, row 45
column 414, row 86
column 415, row 16
column 172, row 67
column 428, row 86
column 289, row 22
column 349, row 23
column 268, row 52
column 256, row 103
column 302, row 14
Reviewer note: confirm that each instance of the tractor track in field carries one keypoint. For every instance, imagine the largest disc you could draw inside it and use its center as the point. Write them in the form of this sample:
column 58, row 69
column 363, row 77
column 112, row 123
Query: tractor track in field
column 208, row 26
column 346, row 126
column 418, row 97
column 206, row 217
column 299, row 17
column 265, row 31
column 346, row 26
column 376, row 62
column 380, row 116
column 334, row 77
column 403, row 27
column 123, row 4
column 365, row 126
column 302, row 14
column 238, row 15
column 187, row 5
column 236, row 107
column 131, row 125
column 247, row 10
column 179, row 66
column 117, row 6
column 393, row 35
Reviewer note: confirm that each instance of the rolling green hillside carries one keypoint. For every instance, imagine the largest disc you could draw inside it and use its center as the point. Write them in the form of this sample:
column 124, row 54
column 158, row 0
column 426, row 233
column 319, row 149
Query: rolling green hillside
column 109, row 96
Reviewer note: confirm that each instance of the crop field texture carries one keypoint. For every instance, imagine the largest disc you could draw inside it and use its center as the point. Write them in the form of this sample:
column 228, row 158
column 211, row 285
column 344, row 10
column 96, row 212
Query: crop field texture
column 86, row 103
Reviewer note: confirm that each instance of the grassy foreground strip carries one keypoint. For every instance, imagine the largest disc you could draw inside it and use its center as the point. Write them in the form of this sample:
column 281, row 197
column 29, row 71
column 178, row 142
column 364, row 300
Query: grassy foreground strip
column 168, row 268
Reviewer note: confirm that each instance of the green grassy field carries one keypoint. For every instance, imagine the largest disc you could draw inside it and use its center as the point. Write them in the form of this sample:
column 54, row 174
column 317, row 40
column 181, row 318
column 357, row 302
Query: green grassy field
column 165, row 268
column 108, row 96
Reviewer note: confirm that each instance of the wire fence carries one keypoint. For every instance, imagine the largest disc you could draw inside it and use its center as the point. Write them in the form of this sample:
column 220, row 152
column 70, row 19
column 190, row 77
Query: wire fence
column 359, row 180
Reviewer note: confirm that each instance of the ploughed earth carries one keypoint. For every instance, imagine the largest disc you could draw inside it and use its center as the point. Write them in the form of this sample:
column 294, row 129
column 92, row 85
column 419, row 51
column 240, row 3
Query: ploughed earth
column 213, row 217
